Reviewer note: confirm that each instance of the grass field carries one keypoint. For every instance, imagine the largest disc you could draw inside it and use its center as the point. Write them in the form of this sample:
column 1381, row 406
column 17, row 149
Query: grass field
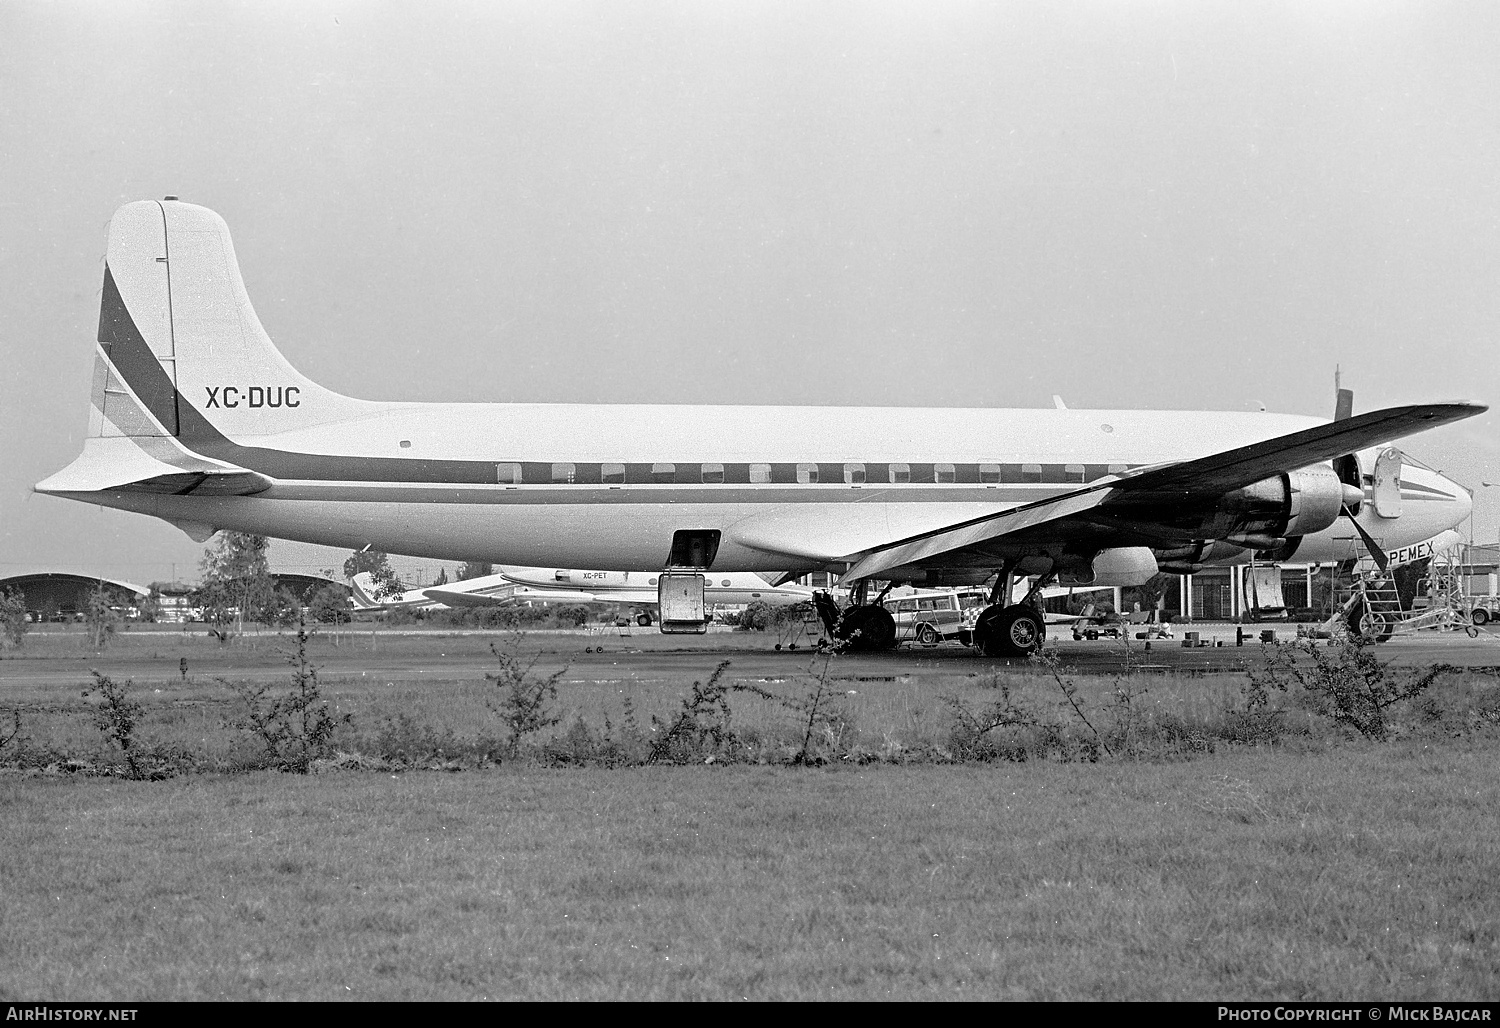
column 1365, row 873
column 1316, row 865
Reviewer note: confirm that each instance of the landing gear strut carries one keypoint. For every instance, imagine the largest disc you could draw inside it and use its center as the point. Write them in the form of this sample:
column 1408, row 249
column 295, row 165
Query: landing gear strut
column 864, row 626
column 1006, row 629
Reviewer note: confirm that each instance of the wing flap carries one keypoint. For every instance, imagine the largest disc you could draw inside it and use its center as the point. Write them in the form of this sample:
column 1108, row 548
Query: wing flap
column 973, row 533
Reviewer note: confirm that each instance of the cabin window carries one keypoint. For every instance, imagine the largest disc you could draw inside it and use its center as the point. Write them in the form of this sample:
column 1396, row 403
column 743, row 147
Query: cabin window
column 901, row 473
column 612, row 474
column 942, row 473
column 1031, row 472
column 807, row 474
column 713, row 474
column 662, row 473
column 1118, row 469
column 725, row 583
column 989, row 474
column 1073, row 473
column 564, row 472
column 650, row 581
column 760, row 474
column 854, row 474
column 508, row 474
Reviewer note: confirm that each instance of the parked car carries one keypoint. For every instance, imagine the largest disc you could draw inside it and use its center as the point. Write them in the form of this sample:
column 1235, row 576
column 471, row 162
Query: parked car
column 1485, row 609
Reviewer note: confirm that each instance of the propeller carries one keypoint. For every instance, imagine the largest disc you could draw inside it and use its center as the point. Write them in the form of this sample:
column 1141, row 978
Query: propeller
column 1376, row 553
column 1343, row 407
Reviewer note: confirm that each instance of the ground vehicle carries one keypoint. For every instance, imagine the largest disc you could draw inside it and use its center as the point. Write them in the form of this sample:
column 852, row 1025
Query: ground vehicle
column 1484, row 609
column 929, row 616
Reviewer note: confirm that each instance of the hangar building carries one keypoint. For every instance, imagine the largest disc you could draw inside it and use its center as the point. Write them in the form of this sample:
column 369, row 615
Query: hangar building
column 51, row 594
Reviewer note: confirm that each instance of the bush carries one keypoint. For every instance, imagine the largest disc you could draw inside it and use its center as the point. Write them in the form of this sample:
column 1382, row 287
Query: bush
column 13, row 617
column 1344, row 679
column 526, row 701
column 294, row 729
column 117, row 716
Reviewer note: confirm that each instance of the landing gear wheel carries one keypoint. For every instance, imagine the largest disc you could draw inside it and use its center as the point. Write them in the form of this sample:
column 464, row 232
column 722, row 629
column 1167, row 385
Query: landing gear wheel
column 643, row 619
column 1014, row 631
column 867, row 628
column 928, row 636
column 1480, row 616
column 1369, row 626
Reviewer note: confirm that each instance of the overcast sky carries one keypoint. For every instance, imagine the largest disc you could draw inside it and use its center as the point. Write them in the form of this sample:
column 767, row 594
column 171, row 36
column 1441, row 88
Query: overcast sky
column 1181, row 205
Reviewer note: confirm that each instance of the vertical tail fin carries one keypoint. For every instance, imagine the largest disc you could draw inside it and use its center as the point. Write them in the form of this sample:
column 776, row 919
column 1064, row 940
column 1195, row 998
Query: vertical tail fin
column 182, row 353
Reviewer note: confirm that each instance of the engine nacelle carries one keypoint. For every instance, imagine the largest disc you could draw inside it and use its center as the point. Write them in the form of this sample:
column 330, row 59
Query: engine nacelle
column 1316, row 497
column 1291, row 504
column 1122, row 565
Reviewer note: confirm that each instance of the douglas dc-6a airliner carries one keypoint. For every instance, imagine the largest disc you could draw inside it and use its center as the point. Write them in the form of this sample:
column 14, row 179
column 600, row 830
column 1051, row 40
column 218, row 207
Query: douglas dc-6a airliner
column 199, row 420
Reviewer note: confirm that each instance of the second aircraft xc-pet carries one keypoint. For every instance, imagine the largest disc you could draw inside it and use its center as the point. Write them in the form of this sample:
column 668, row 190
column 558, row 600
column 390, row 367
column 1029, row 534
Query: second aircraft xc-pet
column 199, row 420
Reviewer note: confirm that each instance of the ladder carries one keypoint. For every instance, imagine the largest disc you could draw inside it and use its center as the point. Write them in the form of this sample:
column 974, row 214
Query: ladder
column 1448, row 602
column 1373, row 608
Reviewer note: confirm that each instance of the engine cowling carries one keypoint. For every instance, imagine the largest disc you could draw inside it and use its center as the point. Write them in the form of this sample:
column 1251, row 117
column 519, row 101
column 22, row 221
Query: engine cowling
column 1120, row 565
column 1291, row 504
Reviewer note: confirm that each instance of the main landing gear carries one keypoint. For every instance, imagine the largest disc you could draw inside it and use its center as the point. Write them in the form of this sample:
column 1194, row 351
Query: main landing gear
column 862, row 626
column 869, row 627
column 1014, row 631
column 1006, row 629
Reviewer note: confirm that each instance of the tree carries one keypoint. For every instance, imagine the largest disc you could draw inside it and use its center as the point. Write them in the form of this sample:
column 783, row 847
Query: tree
column 757, row 616
column 476, row 569
column 150, row 607
column 329, row 605
column 378, row 566
column 13, row 616
column 100, row 616
column 284, row 609
column 236, row 583
column 442, row 577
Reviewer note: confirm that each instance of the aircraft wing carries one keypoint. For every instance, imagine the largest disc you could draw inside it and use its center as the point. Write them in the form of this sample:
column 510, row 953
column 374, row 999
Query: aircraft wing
column 455, row 597
column 1244, row 465
column 1132, row 509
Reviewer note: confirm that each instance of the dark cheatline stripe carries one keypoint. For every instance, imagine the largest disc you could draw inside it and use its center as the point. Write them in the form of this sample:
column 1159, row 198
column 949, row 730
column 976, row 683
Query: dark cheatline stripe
column 138, row 366
column 133, row 359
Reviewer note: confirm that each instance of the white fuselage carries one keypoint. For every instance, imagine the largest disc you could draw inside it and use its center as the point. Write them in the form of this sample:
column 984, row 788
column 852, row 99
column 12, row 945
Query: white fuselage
column 1021, row 456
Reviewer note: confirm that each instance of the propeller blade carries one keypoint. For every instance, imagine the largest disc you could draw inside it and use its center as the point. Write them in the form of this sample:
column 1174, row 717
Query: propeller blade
column 1375, row 551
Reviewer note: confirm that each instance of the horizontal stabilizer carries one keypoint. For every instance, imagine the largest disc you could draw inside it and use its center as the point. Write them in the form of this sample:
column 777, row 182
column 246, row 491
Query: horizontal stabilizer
column 123, row 464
